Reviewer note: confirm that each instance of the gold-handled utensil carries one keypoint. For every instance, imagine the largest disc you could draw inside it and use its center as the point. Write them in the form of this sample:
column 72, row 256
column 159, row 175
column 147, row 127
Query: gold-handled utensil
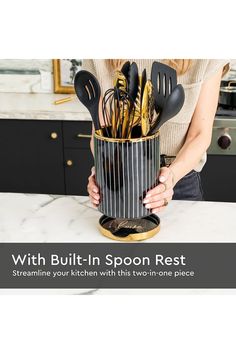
column 145, row 109
column 120, row 81
column 151, row 103
column 125, row 116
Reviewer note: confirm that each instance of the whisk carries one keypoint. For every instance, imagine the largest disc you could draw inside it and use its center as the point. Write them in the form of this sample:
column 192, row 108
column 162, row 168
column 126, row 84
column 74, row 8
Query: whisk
column 116, row 113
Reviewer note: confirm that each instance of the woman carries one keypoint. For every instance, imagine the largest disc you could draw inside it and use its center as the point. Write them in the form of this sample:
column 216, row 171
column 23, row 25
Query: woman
column 184, row 138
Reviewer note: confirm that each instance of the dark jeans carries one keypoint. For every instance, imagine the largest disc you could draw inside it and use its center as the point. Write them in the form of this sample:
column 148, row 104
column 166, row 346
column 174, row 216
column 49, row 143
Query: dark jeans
column 189, row 187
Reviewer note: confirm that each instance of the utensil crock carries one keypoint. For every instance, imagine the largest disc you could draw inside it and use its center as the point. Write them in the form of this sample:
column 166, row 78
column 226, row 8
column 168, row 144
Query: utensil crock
column 126, row 169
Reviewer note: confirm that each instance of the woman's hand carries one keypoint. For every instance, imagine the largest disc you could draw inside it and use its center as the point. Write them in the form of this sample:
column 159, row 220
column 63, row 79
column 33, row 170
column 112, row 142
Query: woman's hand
column 159, row 197
column 92, row 189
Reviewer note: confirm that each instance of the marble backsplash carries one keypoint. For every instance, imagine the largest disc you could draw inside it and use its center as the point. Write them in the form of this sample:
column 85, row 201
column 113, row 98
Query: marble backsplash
column 36, row 75
column 26, row 75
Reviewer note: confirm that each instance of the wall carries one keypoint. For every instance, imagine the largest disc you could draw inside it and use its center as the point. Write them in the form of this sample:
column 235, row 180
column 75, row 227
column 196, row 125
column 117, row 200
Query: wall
column 26, row 75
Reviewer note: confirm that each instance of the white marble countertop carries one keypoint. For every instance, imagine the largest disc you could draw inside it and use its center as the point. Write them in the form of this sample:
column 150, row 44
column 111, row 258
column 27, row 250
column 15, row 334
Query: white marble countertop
column 41, row 106
column 48, row 218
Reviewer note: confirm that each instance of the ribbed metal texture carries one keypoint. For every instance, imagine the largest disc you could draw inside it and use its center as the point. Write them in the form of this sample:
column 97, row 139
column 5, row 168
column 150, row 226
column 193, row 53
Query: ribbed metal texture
column 125, row 171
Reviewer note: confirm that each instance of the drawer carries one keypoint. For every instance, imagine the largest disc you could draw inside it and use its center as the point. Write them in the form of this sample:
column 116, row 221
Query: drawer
column 77, row 134
column 78, row 165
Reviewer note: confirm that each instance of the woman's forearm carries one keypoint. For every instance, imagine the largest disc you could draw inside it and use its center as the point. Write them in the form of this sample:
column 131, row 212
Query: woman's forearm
column 189, row 156
column 200, row 130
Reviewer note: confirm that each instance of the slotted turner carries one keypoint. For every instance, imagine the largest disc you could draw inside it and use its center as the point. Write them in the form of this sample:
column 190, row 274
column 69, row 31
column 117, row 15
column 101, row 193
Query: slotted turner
column 164, row 80
column 168, row 96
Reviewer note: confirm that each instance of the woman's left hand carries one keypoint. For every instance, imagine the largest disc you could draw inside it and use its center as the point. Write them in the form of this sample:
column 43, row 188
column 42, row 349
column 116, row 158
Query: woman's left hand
column 158, row 198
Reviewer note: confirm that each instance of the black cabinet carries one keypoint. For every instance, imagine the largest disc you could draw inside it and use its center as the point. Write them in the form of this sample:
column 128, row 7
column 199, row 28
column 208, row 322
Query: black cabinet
column 218, row 178
column 77, row 155
column 77, row 169
column 35, row 156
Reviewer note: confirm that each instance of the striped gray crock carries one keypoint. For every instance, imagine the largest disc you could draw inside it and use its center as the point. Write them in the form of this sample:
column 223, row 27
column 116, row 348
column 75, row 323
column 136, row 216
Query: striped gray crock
column 125, row 170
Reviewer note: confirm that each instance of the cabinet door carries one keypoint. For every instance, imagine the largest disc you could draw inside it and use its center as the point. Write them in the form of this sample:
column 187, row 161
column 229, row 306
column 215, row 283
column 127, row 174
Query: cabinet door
column 77, row 135
column 78, row 163
column 31, row 155
column 218, row 178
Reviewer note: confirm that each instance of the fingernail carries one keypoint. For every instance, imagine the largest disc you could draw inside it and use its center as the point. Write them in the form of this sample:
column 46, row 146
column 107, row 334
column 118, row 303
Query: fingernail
column 145, row 201
column 148, row 196
column 148, row 206
column 95, row 190
column 162, row 178
column 97, row 197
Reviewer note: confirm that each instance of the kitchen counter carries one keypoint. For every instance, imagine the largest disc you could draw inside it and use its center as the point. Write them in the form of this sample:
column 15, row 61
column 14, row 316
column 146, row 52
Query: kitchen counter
column 41, row 106
column 49, row 218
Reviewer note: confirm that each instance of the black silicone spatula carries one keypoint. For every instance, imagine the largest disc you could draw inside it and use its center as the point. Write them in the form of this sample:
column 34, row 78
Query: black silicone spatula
column 88, row 91
column 164, row 80
column 125, row 69
column 168, row 96
column 172, row 107
column 133, row 81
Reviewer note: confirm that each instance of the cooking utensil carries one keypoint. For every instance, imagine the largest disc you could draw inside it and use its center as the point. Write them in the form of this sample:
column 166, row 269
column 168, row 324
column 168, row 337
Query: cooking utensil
column 120, row 81
column 109, row 111
column 168, row 96
column 147, row 108
column 164, row 80
column 151, row 103
column 137, row 105
column 116, row 113
column 227, row 97
column 143, row 82
column 172, row 107
column 133, row 82
column 133, row 87
column 125, row 69
column 125, row 119
column 128, row 115
column 88, row 91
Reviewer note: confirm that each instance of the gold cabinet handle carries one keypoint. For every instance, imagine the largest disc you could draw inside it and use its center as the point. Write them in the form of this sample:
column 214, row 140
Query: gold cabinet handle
column 69, row 163
column 54, row 135
column 84, row 136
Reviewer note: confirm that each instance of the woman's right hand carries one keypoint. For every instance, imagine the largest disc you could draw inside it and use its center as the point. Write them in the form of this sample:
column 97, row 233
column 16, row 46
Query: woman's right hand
column 92, row 189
